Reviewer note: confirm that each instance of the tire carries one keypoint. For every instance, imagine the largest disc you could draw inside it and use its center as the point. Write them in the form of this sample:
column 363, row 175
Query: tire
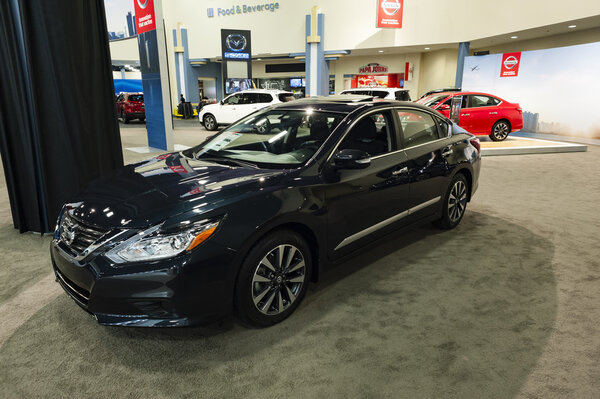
column 142, row 120
column 209, row 121
column 265, row 293
column 453, row 210
column 500, row 130
column 124, row 117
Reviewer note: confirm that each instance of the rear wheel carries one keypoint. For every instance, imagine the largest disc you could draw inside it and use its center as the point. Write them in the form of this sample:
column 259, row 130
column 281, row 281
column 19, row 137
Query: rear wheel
column 210, row 123
column 455, row 203
column 273, row 278
column 500, row 130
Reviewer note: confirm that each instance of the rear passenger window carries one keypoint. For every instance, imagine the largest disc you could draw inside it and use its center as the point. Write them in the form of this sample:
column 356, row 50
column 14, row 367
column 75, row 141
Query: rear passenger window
column 417, row 128
column 481, row 101
column 371, row 134
column 379, row 93
column 264, row 98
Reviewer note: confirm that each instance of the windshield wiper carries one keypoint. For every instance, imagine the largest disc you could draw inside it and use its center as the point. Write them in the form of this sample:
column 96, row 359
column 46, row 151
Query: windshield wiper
column 228, row 161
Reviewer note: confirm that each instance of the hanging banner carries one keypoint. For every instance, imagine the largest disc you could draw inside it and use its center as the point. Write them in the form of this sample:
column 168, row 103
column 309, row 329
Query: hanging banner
column 389, row 13
column 144, row 15
column 510, row 64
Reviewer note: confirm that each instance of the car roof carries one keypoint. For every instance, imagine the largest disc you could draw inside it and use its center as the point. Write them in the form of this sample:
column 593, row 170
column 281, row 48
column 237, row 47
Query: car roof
column 390, row 89
column 271, row 91
column 462, row 93
column 345, row 104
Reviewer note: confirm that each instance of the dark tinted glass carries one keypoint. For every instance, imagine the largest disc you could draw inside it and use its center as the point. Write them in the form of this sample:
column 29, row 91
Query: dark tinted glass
column 379, row 93
column 285, row 97
column 250, row 98
column 264, row 98
column 136, row 97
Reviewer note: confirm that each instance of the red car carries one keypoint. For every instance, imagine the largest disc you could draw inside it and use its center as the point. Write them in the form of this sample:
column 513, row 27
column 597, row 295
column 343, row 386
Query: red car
column 131, row 106
column 481, row 113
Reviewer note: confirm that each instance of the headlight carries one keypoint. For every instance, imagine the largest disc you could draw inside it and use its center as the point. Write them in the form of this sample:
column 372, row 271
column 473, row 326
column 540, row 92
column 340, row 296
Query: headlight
column 153, row 245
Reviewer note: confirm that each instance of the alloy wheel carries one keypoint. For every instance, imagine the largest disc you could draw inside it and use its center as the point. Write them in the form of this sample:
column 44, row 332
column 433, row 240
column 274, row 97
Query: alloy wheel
column 500, row 131
column 209, row 123
column 457, row 201
column 278, row 279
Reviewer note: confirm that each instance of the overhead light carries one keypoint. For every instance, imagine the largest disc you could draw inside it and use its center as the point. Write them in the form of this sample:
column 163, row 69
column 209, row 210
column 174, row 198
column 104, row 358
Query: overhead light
column 259, row 59
column 514, row 37
column 381, row 51
column 572, row 26
column 427, row 48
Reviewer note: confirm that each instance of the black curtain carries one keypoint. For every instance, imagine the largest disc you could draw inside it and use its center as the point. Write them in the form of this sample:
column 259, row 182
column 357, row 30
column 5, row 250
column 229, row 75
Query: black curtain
column 58, row 123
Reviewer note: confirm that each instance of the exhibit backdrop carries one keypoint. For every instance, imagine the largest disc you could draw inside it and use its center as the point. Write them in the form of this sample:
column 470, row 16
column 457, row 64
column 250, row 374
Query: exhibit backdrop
column 557, row 88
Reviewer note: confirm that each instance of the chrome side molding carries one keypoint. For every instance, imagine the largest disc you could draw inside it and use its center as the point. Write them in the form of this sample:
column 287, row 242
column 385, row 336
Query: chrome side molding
column 386, row 222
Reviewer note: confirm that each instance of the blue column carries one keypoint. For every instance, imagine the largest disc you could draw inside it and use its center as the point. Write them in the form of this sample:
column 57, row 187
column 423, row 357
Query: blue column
column 317, row 70
column 463, row 52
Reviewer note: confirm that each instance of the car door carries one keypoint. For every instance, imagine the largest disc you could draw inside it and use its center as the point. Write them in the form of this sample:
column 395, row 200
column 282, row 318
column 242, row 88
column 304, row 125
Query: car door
column 228, row 111
column 364, row 204
column 482, row 113
column 426, row 149
column 119, row 104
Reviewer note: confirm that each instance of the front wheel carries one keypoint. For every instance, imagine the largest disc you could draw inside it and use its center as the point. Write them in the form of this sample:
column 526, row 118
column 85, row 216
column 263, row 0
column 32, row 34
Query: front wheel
column 124, row 117
column 273, row 278
column 210, row 123
column 455, row 203
column 500, row 131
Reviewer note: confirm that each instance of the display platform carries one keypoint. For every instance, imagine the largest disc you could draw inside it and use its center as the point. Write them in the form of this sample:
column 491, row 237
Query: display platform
column 522, row 145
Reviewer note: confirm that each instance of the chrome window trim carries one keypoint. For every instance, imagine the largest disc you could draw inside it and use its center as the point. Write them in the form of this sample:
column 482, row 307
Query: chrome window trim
column 363, row 233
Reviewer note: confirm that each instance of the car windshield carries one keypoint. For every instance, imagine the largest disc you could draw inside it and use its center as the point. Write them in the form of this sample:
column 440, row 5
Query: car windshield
column 432, row 100
column 136, row 97
column 273, row 138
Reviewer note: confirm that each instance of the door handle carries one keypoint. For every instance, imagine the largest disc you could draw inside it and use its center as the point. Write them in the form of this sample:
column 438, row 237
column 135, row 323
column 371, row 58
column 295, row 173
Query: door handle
column 493, row 113
column 400, row 171
column 446, row 152
column 465, row 114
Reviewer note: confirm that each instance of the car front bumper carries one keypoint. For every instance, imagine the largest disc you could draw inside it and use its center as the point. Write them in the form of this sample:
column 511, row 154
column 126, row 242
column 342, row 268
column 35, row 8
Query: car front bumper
column 194, row 288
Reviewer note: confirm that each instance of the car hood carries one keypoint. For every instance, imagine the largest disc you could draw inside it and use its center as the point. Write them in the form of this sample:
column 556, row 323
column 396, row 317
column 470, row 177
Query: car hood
column 150, row 192
column 209, row 107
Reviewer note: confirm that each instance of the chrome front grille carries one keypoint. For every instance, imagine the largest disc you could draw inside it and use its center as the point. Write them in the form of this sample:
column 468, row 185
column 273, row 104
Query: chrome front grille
column 77, row 235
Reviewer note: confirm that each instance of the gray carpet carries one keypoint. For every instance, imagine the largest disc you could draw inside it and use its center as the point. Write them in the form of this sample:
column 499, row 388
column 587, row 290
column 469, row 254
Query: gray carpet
column 504, row 306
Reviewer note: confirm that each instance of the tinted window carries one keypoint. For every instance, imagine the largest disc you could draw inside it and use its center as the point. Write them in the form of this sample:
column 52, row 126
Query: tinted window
column 379, row 93
column 250, row 98
column 402, row 95
column 370, row 134
column 136, row 97
column 476, row 100
column 264, row 98
column 285, row 97
column 417, row 127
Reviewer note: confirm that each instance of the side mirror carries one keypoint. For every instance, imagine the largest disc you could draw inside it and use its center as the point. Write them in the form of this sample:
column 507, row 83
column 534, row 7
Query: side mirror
column 351, row 159
column 222, row 102
column 444, row 107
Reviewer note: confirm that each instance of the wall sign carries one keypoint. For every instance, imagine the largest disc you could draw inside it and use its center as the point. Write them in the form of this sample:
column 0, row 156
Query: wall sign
column 144, row 15
column 243, row 9
column 373, row 68
column 510, row 64
column 389, row 13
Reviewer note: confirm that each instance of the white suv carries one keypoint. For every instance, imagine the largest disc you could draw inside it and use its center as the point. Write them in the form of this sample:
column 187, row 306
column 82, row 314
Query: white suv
column 238, row 105
column 381, row 92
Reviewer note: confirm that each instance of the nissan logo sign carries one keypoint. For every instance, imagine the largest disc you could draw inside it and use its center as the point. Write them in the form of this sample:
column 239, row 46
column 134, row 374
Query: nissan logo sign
column 142, row 3
column 390, row 7
column 510, row 62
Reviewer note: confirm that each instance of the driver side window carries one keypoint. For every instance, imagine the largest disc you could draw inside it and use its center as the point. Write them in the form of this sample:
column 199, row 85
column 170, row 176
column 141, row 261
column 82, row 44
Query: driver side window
column 370, row 134
column 233, row 100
